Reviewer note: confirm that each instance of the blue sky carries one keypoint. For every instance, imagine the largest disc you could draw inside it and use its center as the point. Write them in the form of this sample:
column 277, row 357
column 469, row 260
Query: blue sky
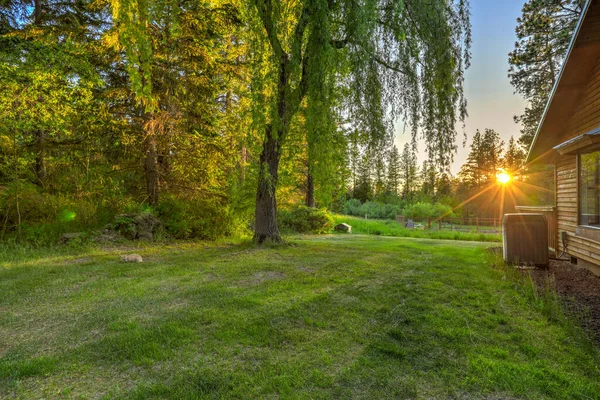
column 492, row 103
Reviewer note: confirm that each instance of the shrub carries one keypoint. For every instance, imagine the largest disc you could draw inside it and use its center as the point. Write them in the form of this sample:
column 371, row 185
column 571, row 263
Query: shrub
column 203, row 218
column 422, row 210
column 371, row 209
column 302, row 219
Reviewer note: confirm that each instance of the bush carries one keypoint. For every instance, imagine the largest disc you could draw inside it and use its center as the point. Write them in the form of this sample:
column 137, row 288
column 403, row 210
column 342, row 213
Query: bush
column 371, row 209
column 196, row 218
column 41, row 218
column 302, row 219
column 427, row 210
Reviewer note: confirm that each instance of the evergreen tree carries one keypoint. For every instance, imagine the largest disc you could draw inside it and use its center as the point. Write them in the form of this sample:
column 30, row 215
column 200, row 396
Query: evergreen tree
column 428, row 178
column 544, row 32
column 514, row 157
column 484, row 159
column 393, row 177
column 379, row 174
column 364, row 188
column 408, row 171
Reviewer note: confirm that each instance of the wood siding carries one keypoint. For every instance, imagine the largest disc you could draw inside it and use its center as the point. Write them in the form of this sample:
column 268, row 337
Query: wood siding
column 566, row 195
column 587, row 115
column 580, row 244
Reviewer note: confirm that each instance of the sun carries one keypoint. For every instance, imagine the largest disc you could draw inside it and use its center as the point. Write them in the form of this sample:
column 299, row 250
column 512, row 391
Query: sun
column 503, row 178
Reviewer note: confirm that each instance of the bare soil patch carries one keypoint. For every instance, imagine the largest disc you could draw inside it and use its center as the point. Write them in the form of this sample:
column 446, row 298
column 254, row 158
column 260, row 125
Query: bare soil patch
column 579, row 290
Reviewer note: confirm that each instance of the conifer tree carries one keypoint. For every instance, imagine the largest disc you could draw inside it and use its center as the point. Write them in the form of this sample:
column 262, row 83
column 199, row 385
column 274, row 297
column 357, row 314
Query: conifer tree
column 408, row 170
column 514, row 157
column 544, row 32
column 393, row 176
column 364, row 187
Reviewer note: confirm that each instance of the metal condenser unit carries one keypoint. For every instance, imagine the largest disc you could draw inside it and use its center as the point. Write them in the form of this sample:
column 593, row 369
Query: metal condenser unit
column 525, row 238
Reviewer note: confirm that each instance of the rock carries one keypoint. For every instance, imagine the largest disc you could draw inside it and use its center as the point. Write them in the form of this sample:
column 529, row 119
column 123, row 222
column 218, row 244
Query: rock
column 343, row 227
column 132, row 258
column 67, row 237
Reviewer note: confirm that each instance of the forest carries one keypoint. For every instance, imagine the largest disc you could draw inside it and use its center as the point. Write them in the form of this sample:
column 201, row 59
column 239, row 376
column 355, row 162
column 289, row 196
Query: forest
column 232, row 117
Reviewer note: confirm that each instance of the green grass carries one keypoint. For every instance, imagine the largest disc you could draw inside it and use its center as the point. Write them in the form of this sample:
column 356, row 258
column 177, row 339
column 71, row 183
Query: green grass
column 390, row 227
column 321, row 317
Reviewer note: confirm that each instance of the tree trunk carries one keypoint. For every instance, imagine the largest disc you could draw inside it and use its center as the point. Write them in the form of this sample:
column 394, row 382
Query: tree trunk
column 151, row 168
column 266, row 228
column 40, row 158
column 310, row 190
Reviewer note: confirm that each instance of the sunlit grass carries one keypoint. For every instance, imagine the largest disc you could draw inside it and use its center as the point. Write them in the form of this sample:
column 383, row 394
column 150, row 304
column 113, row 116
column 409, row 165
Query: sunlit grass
column 319, row 317
column 393, row 228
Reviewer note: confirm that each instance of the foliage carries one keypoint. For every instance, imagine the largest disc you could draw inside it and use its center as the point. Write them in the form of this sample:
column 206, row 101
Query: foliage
column 197, row 218
column 390, row 227
column 390, row 60
column 409, row 170
column 484, row 160
column 421, row 211
column 303, row 219
column 544, row 32
column 371, row 209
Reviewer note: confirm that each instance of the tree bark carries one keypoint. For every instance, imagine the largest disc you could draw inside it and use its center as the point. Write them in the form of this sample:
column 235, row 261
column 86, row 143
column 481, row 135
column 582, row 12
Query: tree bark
column 266, row 228
column 310, row 190
column 151, row 168
column 40, row 158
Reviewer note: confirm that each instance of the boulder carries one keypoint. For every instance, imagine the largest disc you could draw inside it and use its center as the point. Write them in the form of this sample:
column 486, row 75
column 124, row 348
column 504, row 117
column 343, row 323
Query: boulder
column 132, row 258
column 343, row 227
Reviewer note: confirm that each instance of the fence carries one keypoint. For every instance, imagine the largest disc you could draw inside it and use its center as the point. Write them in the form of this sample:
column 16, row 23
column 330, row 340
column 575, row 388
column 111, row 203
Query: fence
column 465, row 224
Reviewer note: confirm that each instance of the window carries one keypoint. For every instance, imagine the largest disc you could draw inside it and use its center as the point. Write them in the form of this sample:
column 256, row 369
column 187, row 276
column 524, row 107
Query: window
column 589, row 189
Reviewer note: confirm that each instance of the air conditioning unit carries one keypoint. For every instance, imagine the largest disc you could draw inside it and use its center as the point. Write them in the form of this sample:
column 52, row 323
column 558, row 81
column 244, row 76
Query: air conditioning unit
column 525, row 239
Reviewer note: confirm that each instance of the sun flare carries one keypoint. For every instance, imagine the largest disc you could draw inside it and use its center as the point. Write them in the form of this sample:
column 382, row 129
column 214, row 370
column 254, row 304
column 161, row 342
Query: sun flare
column 503, row 178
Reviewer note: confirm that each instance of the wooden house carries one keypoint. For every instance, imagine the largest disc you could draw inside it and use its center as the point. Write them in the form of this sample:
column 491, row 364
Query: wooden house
column 569, row 138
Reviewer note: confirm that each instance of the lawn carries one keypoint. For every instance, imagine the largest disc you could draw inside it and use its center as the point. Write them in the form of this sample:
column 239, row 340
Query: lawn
column 340, row 316
column 388, row 227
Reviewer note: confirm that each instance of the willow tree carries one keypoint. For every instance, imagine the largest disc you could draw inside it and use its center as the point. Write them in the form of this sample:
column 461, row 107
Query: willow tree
column 392, row 59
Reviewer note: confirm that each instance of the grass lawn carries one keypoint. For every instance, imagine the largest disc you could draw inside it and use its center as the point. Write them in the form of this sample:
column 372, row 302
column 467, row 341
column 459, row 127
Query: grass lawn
column 342, row 316
column 388, row 227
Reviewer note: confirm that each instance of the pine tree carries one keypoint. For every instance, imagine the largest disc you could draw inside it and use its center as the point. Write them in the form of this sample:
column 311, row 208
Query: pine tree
column 484, row 159
column 364, row 187
column 408, row 170
column 393, row 177
column 428, row 178
column 379, row 174
column 544, row 32
column 514, row 157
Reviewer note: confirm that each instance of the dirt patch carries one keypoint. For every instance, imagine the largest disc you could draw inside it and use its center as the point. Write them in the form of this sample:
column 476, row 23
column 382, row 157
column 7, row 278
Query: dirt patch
column 578, row 288
column 262, row 277
column 76, row 261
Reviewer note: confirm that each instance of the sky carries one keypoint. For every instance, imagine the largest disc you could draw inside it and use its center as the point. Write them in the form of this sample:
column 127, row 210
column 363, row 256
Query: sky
column 491, row 99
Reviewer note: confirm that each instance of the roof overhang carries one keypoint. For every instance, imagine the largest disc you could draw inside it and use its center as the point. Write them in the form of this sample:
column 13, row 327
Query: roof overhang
column 570, row 85
column 574, row 145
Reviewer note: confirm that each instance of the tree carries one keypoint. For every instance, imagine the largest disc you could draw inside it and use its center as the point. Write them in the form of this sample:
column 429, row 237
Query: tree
column 393, row 178
column 544, row 32
column 364, row 187
column 484, row 159
column 428, row 178
column 392, row 58
column 514, row 157
column 408, row 170
column 176, row 56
